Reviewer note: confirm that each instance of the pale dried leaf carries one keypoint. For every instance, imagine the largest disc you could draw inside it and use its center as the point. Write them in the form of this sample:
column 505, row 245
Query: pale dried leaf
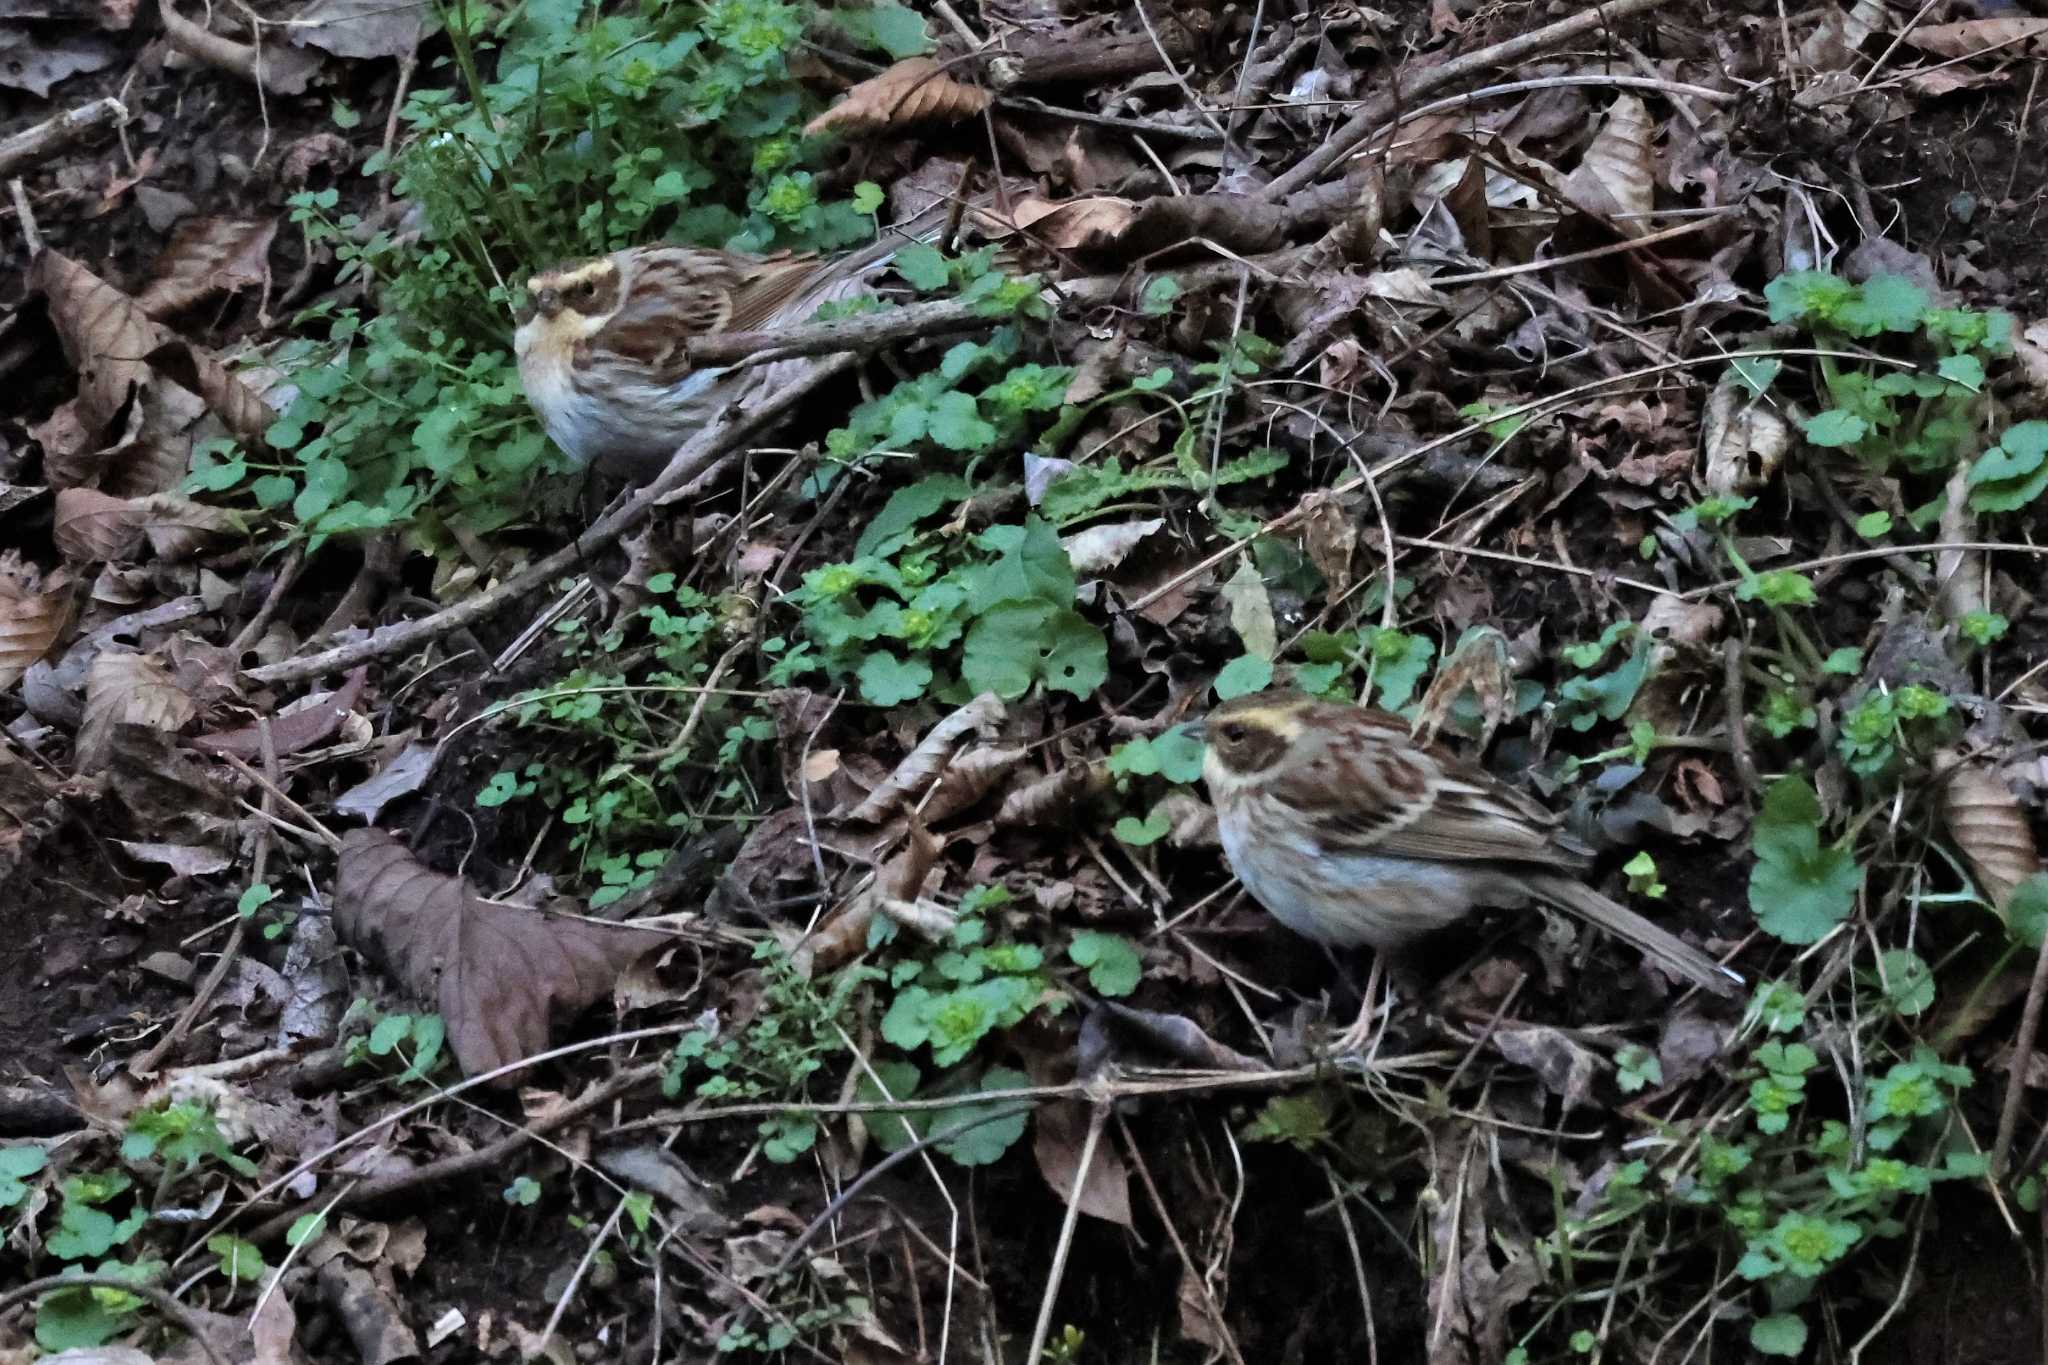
column 402, row 776
column 1251, row 610
column 127, row 689
column 34, row 609
column 1566, row 1067
column 1743, row 440
column 924, row 917
column 1101, row 548
column 103, row 333
column 207, row 257
column 922, row 765
column 1480, row 665
column 1618, row 173
column 2012, row 37
column 91, row 527
column 915, row 90
column 501, row 977
column 1990, row 828
column 358, row 28
column 1190, row 821
column 1087, row 224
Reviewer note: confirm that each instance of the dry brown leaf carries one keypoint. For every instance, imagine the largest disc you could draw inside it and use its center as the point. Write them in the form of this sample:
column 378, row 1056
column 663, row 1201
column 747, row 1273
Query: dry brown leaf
column 34, row 609
column 91, row 527
column 1990, row 829
column 2009, row 37
column 246, row 416
column 915, row 90
column 281, row 70
column 1618, row 174
column 1089, row 224
column 922, row 765
column 1329, row 534
column 1743, row 440
column 968, row 778
column 1099, row 549
column 298, row 727
column 179, row 528
column 1050, row 800
column 843, row 935
column 1060, row 1131
column 1480, row 665
column 103, row 333
column 207, row 257
column 127, row 689
column 502, row 977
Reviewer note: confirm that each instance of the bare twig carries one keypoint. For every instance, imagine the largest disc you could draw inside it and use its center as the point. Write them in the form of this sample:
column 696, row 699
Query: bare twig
column 31, row 239
column 1508, row 54
column 2022, row 1055
column 31, row 146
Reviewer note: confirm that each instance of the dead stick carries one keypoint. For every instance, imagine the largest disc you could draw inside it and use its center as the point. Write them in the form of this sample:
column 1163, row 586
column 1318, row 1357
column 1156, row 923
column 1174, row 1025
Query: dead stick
column 32, row 145
column 2022, row 1054
column 1515, row 50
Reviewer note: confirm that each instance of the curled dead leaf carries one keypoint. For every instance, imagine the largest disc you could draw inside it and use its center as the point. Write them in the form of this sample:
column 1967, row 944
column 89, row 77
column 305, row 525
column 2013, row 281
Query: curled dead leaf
column 501, row 977
column 207, row 257
column 34, row 609
column 1743, row 441
column 2010, row 37
column 1990, row 829
column 922, row 765
column 246, row 416
column 179, row 528
column 968, row 778
column 127, row 689
column 103, row 333
column 1059, row 1136
column 299, row 726
column 1479, row 665
column 1050, row 800
column 914, row 90
column 1618, row 173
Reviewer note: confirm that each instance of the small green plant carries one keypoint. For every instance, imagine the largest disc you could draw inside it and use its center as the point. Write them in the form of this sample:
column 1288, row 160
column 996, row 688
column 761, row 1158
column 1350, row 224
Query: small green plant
column 1879, row 731
column 1921, row 419
column 415, row 1041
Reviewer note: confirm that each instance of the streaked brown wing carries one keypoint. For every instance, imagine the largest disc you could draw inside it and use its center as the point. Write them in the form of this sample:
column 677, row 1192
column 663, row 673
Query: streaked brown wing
column 1384, row 793
column 767, row 286
column 670, row 296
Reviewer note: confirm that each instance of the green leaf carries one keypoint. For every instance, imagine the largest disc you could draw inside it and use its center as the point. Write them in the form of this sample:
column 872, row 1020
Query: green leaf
column 1157, row 297
column 1021, row 642
column 1113, row 964
column 239, row 1260
column 1966, row 370
column 923, row 266
column 1301, row 1121
column 1141, row 833
column 1908, row 981
column 899, row 1081
column 305, row 1228
column 955, row 422
column 886, row 680
column 1884, row 303
column 785, row 1137
column 1755, row 373
column 1836, row 428
column 1245, row 674
column 1874, row 524
column 891, row 528
column 987, row 1140
column 1033, row 564
column 1782, row 1334
column 889, row 26
column 2026, row 911
column 1798, row 889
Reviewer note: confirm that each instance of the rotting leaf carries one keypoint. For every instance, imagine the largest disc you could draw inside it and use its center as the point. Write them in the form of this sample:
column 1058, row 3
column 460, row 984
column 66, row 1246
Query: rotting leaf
column 246, row 416
column 968, row 778
column 1743, row 439
column 1478, row 664
column 914, row 90
column 1990, row 829
column 34, row 608
column 300, row 726
column 1061, row 1133
column 500, row 976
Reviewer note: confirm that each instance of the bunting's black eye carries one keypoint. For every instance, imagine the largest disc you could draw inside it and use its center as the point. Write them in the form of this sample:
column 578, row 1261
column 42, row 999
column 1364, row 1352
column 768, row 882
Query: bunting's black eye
column 1233, row 733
